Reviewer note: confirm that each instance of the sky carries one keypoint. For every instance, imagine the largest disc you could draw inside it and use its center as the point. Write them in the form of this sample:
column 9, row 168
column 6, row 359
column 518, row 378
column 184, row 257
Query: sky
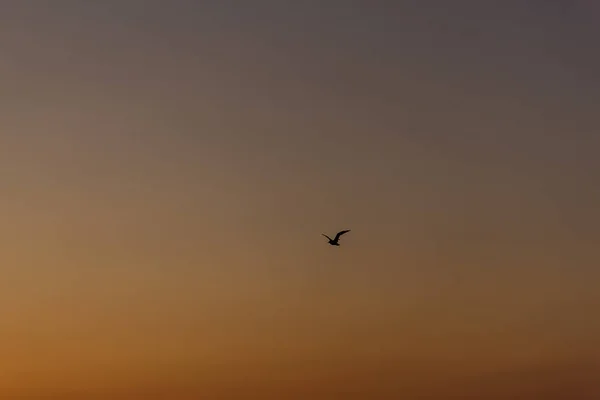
column 168, row 169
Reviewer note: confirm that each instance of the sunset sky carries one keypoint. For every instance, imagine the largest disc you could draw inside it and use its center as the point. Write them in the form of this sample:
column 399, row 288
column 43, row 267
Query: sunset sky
column 168, row 168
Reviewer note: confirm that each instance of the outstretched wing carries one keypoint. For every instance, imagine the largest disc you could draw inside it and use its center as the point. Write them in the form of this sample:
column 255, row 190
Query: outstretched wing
column 326, row 236
column 340, row 234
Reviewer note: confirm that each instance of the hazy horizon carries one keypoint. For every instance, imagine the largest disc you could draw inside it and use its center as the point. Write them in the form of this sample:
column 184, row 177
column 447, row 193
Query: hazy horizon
column 169, row 168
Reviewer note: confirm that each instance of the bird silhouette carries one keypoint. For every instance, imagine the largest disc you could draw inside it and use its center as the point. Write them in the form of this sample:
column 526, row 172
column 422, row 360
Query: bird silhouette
column 335, row 242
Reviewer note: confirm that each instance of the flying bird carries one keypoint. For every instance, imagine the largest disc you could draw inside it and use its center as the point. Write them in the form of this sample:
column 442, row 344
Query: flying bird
column 335, row 242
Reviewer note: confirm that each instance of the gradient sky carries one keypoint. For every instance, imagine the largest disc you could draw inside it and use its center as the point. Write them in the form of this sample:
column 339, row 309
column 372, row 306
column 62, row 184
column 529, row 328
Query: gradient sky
column 168, row 168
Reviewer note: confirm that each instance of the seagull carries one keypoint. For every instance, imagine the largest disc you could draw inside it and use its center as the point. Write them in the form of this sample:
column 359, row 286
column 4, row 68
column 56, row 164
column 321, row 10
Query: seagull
column 335, row 242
